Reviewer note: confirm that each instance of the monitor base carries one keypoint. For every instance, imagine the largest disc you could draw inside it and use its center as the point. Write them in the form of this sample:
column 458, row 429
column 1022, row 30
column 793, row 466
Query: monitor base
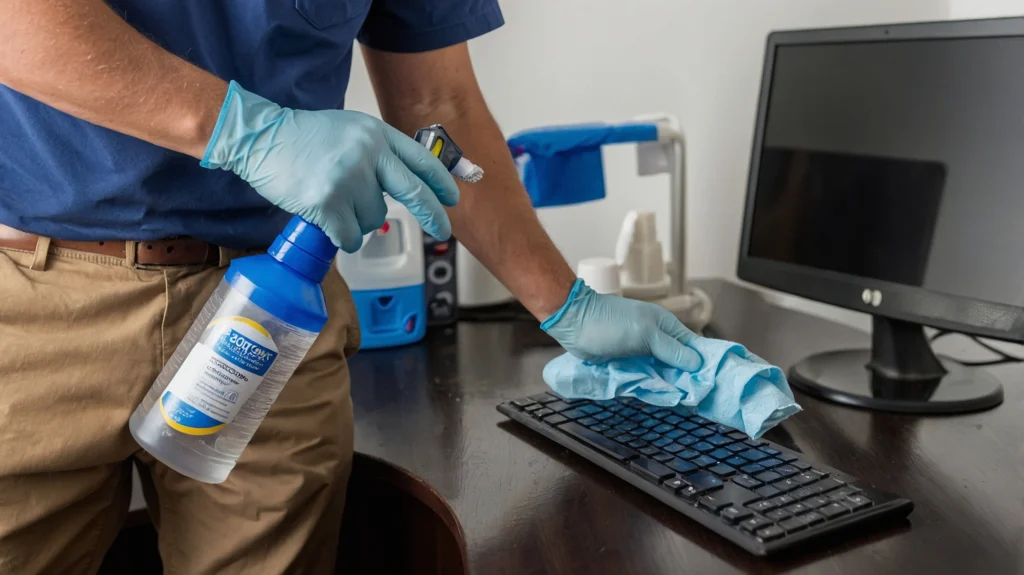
column 844, row 377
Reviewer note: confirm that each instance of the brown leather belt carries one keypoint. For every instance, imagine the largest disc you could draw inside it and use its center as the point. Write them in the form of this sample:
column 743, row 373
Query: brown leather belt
column 173, row 252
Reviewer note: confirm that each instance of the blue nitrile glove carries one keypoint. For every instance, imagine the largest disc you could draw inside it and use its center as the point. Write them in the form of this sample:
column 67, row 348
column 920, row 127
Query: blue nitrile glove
column 331, row 167
column 598, row 327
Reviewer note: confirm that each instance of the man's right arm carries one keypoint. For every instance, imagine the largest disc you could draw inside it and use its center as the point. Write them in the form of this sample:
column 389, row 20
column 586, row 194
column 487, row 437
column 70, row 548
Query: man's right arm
column 80, row 57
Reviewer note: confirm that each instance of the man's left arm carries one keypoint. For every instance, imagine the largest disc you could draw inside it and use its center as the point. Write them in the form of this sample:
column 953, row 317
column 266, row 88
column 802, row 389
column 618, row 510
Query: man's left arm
column 495, row 220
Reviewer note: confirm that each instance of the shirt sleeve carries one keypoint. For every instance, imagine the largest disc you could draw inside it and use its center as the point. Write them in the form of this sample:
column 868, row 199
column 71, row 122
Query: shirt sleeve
column 423, row 25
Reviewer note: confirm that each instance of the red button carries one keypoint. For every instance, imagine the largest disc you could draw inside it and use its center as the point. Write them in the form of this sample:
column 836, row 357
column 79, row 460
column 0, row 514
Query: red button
column 441, row 248
column 410, row 325
column 385, row 228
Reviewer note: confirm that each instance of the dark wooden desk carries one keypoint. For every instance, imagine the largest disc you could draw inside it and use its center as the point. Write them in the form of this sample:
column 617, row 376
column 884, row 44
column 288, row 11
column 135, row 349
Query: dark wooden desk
column 530, row 507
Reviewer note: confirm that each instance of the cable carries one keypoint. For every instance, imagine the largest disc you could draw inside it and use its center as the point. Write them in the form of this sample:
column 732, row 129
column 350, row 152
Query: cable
column 1004, row 358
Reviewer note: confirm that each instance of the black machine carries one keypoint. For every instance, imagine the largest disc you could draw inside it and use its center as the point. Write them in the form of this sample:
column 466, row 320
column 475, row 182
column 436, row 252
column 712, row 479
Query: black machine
column 887, row 177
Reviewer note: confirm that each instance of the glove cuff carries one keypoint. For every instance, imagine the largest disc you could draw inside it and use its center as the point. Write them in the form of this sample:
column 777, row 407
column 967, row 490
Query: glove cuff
column 244, row 127
column 209, row 161
column 578, row 289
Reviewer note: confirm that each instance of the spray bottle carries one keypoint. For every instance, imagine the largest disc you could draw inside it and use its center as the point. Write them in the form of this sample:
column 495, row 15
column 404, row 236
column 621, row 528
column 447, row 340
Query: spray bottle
column 242, row 349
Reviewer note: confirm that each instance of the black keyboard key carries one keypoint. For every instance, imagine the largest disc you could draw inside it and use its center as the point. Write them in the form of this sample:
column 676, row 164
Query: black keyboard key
column 650, row 450
column 521, row 403
column 752, row 443
column 786, row 470
column 603, row 416
column 591, row 409
column 687, row 440
column 769, row 463
column 737, row 435
column 661, row 414
column 681, row 466
column 674, row 448
column 723, row 429
column 753, row 455
column 768, row 477
column 662, row 457
column 699, row 420
column 533, row 407
column 612, row 433
column 598, row 441
column 805, row 478
column 736, row 447
column 821, row 474
column 542, row 413
column 628, row 412
column 713, row 502
column 735, row 514
column 673, row 484
column 607, row 403
column 746, row 481
column 704, row 461
column 574, row 414
column 801, row 465
column 638, row 432
column 833, row 510
column 804, row 493
column 770, row 451
column 652, row 470
column 778, row 515
column 702, row 432
column 627, row 426
column 675, row 434
column 613, row 421
column 651, row 436
column 857, row 502
column 720, row 454
column 847, row 491
column 797, row 508
column 600, row 428
column 787, row 485
column 687, row 426
column 638, row 417
column 812, row 518
column 673, row 419
column 737, row 462
column 817, row 501
column 722, row 470
column 663, row 428
column 703, row 447
column 688, row 454
column 637, row 444
column 555, row 419
column 650, row 423
column 752, row 524
column 787, row 458
column 827, row 484
column 587, row 421
column 762, row 506
column 543, row 398
column 752, row 468
column 558, row 406
column 703, row 481
column 649, row 409
column 782, row 500
column 767, row 491
column 663, row 442
column 718, row 440
column 793, row 524
column 771, row 533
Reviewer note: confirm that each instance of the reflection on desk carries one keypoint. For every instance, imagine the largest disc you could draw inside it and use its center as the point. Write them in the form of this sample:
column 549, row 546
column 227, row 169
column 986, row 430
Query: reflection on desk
column 528, row 506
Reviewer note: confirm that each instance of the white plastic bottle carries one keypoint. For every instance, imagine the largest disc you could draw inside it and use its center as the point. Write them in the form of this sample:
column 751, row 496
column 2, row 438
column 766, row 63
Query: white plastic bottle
column 238, row 355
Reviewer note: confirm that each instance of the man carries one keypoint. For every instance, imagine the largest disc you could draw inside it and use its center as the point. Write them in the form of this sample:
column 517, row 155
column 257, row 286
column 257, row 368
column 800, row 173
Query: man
column 131, row 172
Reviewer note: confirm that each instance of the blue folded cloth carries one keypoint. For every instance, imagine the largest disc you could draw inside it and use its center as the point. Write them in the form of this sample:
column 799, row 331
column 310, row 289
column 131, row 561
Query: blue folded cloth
column 733, row 387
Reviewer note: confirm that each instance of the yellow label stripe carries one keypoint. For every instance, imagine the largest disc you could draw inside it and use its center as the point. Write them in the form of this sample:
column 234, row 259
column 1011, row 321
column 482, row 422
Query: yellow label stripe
column 244, row 320
column 438, row 146
column 185, row 429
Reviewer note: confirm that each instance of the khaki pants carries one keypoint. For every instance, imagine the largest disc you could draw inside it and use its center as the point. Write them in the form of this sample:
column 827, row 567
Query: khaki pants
column 82, row 337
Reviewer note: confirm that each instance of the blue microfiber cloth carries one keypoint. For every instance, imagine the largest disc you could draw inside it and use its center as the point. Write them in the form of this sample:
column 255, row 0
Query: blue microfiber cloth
column 733, row 387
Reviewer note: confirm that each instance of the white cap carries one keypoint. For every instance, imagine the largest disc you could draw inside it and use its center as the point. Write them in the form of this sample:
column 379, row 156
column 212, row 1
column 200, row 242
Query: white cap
column 601, row 274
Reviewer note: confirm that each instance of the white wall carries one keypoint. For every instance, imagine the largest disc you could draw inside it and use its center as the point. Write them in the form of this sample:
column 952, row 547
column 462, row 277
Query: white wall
column 585, row 60
column 985, row 8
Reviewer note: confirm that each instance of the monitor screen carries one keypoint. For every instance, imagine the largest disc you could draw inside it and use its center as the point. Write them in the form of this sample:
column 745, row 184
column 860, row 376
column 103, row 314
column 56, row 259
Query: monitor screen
column 900, row 161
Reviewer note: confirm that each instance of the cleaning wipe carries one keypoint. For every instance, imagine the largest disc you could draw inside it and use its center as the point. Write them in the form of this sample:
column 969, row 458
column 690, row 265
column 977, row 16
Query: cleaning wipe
column 733, row 387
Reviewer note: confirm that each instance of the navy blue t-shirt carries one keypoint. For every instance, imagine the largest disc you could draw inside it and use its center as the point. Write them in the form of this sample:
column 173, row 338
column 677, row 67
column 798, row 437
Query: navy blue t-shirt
column 65, row 178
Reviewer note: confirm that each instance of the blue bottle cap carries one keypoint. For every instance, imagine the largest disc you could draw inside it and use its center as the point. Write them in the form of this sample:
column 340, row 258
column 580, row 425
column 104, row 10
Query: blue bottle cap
column 305, row 248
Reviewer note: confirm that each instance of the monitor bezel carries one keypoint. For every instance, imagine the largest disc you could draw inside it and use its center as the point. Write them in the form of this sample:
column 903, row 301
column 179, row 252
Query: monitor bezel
column 897, row 301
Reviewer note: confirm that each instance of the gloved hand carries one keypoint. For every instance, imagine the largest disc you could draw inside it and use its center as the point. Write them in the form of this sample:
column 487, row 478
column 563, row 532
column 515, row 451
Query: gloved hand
column 598, row 327
column 331, row 167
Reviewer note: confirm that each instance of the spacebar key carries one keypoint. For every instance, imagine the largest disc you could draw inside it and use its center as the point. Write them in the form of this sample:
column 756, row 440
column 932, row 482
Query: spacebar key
column 616, row 451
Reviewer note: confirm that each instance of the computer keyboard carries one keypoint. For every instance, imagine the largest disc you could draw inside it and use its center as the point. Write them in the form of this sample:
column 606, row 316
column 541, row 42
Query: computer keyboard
column 761, row 496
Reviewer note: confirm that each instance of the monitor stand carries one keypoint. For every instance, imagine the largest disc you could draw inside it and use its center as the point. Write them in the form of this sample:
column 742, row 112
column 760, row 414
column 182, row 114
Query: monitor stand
column 900, row 373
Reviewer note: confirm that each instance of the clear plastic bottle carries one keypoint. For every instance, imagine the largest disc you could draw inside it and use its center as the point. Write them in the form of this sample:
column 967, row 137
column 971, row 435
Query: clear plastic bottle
column 236, row 358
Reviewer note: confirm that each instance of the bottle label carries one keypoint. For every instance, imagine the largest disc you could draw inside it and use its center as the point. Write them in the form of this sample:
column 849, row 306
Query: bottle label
column 218, row 376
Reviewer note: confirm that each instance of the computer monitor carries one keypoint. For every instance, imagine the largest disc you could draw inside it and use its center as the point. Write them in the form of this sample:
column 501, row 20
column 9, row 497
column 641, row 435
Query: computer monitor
column 887, row 177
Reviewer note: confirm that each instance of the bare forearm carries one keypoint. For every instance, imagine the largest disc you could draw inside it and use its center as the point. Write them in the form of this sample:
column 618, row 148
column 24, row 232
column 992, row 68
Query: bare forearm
column 78, row 56
column 494, row 218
